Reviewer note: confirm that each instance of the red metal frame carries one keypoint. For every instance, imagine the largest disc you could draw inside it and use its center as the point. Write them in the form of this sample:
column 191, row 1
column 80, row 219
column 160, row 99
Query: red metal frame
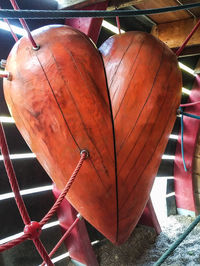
column 90, row 26
column 77, row 243
column 184, row 190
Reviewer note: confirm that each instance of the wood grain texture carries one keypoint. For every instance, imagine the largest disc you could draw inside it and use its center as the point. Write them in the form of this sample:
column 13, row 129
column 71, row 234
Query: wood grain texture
column 59, row 100
column 166, row 17
column 145, row 90
column 179, row 30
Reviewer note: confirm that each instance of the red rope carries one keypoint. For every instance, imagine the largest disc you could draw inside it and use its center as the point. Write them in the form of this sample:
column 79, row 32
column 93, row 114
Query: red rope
column 179, row 51
column 33, row 227
column 42, row 251
column 64, row 192
column 24, row 25
column 12, row 177
column 14, row 242
column 63, row 238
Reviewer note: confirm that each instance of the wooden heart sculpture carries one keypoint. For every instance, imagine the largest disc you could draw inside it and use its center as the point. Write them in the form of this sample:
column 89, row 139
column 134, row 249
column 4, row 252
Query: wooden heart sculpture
column 59, row 99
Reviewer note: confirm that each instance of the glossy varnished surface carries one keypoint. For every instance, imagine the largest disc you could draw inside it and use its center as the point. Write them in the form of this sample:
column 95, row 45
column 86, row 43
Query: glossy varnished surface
column 145, row 89
column 58, row 98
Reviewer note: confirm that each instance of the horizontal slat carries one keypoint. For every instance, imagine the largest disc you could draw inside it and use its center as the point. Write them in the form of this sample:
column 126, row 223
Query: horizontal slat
column 15, row 141
column 165, row 177
column 25, row 192
column 7, row 119
column 29, row 174
column 168, row 157
column 37, row 206
column 20, row 156
column 15, row 236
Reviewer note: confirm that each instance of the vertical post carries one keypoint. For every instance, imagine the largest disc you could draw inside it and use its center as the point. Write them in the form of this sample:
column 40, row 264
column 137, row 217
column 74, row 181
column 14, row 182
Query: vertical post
column 78, row 243
column 90, row 26
column 183, row 181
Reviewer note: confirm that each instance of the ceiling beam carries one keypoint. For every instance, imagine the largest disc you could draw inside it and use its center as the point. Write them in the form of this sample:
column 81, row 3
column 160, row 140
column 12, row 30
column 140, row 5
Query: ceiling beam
column 175, row 33
column 78, row 4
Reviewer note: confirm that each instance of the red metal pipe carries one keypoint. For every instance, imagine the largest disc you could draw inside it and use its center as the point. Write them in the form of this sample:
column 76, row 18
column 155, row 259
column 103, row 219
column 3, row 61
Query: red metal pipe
column 24, row 25
column 12, row 32
column 189, row 104
column 66, row 234
column 118, row 24
column 179, row 51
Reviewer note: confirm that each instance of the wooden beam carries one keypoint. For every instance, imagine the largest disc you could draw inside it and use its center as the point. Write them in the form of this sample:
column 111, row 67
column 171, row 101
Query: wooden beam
column 113, row 4
column 78, row 4
column 174, row 33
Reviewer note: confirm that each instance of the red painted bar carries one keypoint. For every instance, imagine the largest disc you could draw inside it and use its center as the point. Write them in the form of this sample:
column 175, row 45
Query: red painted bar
column 78, row 243
column 90, row 26
column 149, row 217
column 184, row 190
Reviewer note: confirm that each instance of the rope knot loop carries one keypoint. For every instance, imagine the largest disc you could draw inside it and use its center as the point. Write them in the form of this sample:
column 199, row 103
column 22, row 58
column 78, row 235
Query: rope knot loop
column 33, row 230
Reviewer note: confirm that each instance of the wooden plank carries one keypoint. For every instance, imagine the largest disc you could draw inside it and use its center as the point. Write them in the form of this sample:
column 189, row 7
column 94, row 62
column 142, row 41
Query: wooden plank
column 194, row 11
column 78, row 4
column 174, row 33
column 166, row 17
column 113, row 4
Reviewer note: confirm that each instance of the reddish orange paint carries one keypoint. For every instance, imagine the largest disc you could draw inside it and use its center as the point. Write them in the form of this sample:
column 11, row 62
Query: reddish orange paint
column 59, row 99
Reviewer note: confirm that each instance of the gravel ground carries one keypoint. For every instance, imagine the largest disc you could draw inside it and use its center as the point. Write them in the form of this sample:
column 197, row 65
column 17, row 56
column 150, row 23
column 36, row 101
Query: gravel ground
column 144, row 247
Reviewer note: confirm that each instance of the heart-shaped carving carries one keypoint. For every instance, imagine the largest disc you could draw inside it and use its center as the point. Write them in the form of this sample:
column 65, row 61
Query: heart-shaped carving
column 59, row 99
column 145, row 90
